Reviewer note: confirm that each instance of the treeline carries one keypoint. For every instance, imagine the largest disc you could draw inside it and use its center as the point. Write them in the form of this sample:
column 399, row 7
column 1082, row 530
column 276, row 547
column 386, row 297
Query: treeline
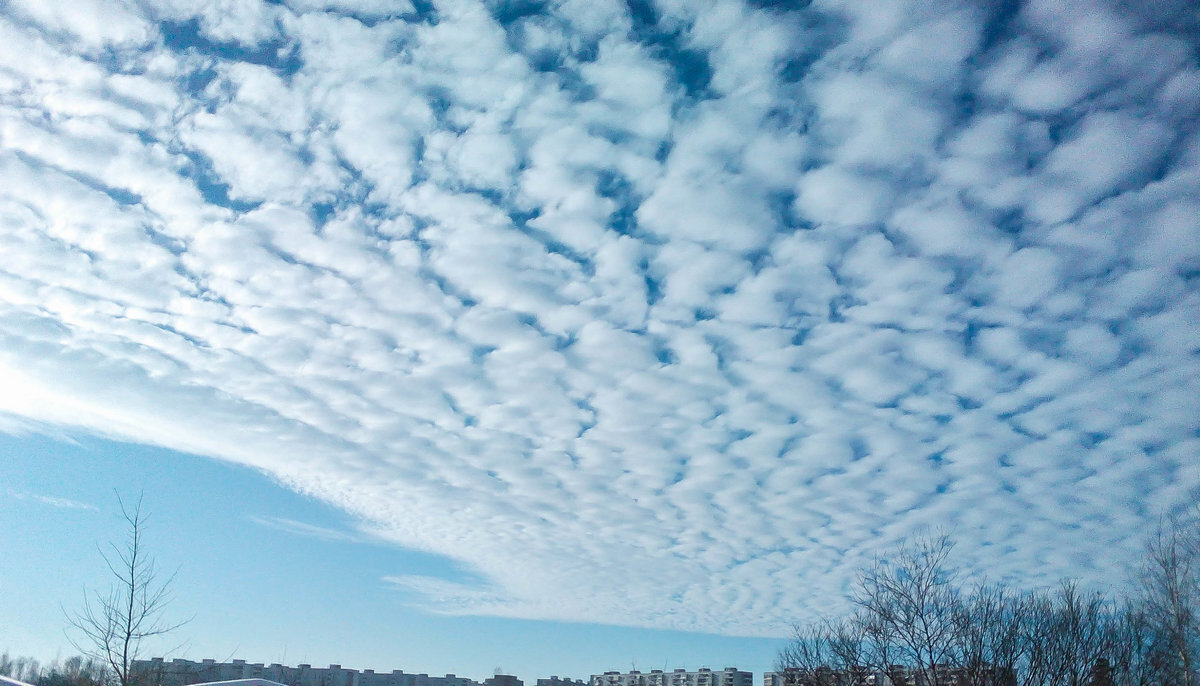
column 74, row 671
column 916, row 622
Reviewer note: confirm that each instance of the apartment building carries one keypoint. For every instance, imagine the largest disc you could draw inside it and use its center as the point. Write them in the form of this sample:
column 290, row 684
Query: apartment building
column 179, row 672
column 558, row 681
column 730, row 676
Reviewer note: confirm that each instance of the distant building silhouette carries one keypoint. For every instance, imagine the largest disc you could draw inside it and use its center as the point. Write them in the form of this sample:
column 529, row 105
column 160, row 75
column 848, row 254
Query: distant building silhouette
column 179, row 672
column 730, row 676
column 558, row 681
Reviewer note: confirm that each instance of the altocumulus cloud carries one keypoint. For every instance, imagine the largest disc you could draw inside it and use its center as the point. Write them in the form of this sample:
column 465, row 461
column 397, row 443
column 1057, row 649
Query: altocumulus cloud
column 656, row 313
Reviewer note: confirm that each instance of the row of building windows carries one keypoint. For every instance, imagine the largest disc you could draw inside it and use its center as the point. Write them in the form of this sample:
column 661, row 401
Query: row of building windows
column 180, row 672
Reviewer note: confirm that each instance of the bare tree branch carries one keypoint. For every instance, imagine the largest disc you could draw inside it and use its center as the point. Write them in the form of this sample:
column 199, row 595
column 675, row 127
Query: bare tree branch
column 112, row 625
column 1170, row 596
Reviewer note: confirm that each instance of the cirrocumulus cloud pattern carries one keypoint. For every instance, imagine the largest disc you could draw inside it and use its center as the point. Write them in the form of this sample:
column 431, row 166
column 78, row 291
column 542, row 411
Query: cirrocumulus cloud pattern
column 658, row 313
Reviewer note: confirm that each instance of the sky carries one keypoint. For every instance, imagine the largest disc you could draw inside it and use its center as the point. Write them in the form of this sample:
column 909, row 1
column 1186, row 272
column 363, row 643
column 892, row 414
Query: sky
column 573, row 335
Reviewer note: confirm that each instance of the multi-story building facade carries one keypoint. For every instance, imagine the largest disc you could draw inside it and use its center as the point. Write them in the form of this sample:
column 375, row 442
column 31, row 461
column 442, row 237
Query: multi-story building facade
column 558, row 681
column 730, row 676
column 178, row 672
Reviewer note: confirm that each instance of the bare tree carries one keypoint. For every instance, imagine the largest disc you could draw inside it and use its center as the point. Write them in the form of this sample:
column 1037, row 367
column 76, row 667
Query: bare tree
column 988, row 638
column 25, row 669
column 911, row 602
column 855, row 650
column 916, row 624
column 1170, row 581
column 75, row 671
column 1071, row 630
column 809, row 650
column 1135, row 660
column 113, row 624
column 827, row 653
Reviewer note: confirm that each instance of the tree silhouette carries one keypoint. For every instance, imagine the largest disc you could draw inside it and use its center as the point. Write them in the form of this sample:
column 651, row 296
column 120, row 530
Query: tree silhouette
column 113, row 623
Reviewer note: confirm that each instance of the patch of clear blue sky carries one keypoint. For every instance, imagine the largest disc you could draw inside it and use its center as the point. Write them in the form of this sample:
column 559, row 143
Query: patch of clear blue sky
column 268, row 595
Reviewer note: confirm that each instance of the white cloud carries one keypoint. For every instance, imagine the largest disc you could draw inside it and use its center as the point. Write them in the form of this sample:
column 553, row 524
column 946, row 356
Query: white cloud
column 298, row 528
column 246, row 23
column 693, row 354
column 841, row 196
column 94, row 22
column 52, row 501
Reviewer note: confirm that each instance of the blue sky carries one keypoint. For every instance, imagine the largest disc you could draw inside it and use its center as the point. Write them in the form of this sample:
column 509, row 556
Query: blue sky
column 574, row 325
column 269, row 575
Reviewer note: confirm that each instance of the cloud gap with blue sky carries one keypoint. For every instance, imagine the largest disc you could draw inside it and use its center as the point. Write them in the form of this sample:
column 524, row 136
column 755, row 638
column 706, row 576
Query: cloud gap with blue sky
column 663, row 314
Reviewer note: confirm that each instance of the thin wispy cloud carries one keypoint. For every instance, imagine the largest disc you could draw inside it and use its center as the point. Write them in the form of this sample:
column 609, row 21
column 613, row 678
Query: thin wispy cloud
column 657, row 313
column 298, row 528
column 449, row 597
column 52, row 501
